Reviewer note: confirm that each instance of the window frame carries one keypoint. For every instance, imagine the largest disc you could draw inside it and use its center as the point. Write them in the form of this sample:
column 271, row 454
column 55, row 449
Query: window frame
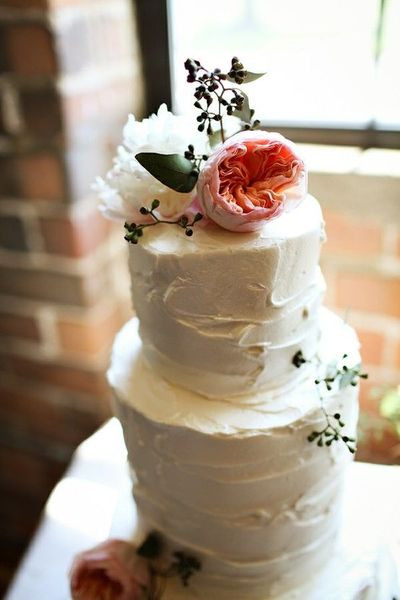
column 152, row 16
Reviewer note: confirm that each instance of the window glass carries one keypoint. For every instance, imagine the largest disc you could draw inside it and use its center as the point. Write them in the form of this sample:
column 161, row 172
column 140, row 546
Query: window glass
column 319, row 56
column 387, row 87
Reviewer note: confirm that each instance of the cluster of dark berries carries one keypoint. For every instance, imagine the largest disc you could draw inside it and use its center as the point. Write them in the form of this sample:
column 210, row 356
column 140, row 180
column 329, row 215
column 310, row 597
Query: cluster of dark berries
column 211, row 87
column 236, row 102
column 205, row 121
column 237, row 72
column 298, row 359
column 189, row 153
column 252, row 125
column 192, row 66
column 332, row 433
column 196, row 159
column 183, row 222
column 185, row 566
column 344, row 376
column 134, row 231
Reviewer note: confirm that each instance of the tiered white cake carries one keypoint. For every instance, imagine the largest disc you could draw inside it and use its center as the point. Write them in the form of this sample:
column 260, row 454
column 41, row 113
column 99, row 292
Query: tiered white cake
column 216, row 415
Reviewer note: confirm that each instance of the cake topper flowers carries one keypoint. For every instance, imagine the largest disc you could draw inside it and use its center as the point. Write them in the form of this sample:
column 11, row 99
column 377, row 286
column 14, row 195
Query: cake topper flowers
column 170, row 171
column 253, row 177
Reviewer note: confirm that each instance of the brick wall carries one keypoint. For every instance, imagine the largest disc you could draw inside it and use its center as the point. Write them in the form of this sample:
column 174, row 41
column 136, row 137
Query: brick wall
column 70, row 73
column 361, row 263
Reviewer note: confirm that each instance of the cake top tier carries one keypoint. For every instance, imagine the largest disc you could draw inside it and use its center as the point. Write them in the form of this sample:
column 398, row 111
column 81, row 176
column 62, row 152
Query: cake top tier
column 223, row 313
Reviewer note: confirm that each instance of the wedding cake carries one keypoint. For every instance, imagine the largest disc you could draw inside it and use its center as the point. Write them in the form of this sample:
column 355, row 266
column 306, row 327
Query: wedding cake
column 236, row 390
column 216, row 416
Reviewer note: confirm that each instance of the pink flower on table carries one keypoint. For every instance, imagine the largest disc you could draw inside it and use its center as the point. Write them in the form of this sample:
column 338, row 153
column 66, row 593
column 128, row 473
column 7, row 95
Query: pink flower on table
column 253, row 177
column 110, row 571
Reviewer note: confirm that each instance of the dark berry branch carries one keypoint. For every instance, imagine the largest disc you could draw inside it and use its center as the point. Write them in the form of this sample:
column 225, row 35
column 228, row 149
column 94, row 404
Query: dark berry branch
column 182, row 565
column 211, row 89
column 135, row 231
column 332, row 432
column 341, row 376
column 196, row 159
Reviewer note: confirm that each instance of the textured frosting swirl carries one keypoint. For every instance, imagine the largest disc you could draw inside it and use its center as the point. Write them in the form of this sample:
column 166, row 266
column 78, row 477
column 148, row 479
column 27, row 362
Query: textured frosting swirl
column 234, row 480
column 237, row 306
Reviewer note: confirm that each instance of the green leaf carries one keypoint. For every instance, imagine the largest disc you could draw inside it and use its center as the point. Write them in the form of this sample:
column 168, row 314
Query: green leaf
column 173, row 170
column 249, row 77
column 244, row 114
column 252, row 76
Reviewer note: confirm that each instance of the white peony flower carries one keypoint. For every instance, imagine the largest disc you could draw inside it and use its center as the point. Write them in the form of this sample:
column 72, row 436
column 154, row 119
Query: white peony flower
column 128, row 186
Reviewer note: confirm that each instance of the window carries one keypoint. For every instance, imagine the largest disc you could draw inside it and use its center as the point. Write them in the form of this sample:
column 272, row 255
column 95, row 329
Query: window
column 332, row 67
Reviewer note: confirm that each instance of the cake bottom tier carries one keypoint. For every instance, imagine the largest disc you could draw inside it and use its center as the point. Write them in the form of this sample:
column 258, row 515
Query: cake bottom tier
column 235, row 482
column 351, row 573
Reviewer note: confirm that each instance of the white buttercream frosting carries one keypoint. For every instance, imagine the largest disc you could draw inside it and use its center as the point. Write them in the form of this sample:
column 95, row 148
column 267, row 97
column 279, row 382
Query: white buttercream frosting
column 234, row 480
column 215, row 414
column 223, row 313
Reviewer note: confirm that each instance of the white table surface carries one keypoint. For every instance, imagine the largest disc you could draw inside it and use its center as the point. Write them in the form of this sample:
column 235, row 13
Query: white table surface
column 93, row 502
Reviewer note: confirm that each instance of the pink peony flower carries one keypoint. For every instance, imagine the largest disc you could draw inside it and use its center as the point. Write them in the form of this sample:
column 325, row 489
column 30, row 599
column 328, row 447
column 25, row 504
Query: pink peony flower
column 253, row 177
column 110, row 571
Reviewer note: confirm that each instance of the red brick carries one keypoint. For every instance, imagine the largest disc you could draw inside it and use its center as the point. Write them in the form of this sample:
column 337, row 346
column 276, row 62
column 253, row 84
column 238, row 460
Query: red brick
column 91, row 106
column 89, row 337
column 380, row 446
column 8, row 177
column 372, row 345
column 19, row 326
column 89, row 39
column 397, row 356
column 93, row 121
column 62, row 3
column 41, row 417
column 12, row 233
column 371, row 293
column 59, row 374
column 379, row 442
column 51, row 286
column 3, row 57
column 74, row 41
column 21, row 469
column 25, row 3
column 30, row 50
column 41, row 111
column 350, row 236
column 74, row 237
column 4, row 119
column 41, row 177
column 371, row 393
column 13, row 502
